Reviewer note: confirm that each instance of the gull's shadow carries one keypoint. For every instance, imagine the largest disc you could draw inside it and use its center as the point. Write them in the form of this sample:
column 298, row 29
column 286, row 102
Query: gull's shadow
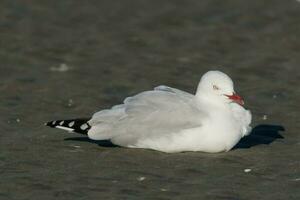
column 261, row 134
column 102, row 143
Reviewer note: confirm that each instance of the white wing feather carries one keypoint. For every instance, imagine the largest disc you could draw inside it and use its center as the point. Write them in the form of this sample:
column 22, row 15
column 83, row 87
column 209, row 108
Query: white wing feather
column 155, row 113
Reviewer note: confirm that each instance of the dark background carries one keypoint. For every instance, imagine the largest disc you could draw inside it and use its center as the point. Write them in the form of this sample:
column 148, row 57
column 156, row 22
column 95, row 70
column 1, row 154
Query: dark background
column 67, row 59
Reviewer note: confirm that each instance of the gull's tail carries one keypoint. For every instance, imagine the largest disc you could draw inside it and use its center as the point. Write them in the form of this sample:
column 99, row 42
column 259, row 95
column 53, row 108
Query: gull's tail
column 72, row 125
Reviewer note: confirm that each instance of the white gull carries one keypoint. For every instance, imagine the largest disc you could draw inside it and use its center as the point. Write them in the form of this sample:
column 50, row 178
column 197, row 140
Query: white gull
column 170, row 120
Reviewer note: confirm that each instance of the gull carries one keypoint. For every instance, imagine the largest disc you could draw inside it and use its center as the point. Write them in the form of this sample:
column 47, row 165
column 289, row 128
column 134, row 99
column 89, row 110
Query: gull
column 171, row 120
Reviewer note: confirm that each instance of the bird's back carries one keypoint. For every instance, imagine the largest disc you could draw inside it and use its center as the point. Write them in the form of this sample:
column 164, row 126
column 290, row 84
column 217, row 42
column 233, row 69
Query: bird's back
column 148, row 115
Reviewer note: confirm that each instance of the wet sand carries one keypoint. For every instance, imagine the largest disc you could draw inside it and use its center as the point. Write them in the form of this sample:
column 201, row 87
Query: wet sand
column 68, row 59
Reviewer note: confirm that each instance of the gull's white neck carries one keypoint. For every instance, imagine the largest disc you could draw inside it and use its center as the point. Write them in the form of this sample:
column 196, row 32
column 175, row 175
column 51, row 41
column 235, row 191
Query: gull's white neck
column 211, row 100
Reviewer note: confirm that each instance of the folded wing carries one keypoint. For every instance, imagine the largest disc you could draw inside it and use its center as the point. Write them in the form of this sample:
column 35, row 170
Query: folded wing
column 155, row 113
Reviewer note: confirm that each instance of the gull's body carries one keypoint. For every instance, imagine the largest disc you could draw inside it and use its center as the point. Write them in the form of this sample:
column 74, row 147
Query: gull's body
column 171, row 120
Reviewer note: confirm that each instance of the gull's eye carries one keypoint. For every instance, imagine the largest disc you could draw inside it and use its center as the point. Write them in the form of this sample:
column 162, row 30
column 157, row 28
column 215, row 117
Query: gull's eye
column 215, row 87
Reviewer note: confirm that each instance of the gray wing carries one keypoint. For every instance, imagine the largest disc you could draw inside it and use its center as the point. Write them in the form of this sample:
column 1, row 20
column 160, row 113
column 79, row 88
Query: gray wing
column 164, row 110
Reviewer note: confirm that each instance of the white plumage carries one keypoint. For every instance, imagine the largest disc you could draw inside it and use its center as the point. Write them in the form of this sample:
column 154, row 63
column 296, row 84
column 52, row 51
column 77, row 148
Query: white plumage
column 170, row 120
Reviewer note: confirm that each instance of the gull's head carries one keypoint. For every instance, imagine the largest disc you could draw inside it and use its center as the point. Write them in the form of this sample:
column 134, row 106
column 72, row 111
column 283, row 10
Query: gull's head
column 218, row 87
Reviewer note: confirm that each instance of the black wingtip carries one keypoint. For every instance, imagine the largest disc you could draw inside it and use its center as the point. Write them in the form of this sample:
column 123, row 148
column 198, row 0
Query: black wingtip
column 52, row 124
column 73, row 125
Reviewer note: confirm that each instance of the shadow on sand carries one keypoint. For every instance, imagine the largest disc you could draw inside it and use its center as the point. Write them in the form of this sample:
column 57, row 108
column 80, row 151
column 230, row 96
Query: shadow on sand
column 102, row 143
column 261, row 134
